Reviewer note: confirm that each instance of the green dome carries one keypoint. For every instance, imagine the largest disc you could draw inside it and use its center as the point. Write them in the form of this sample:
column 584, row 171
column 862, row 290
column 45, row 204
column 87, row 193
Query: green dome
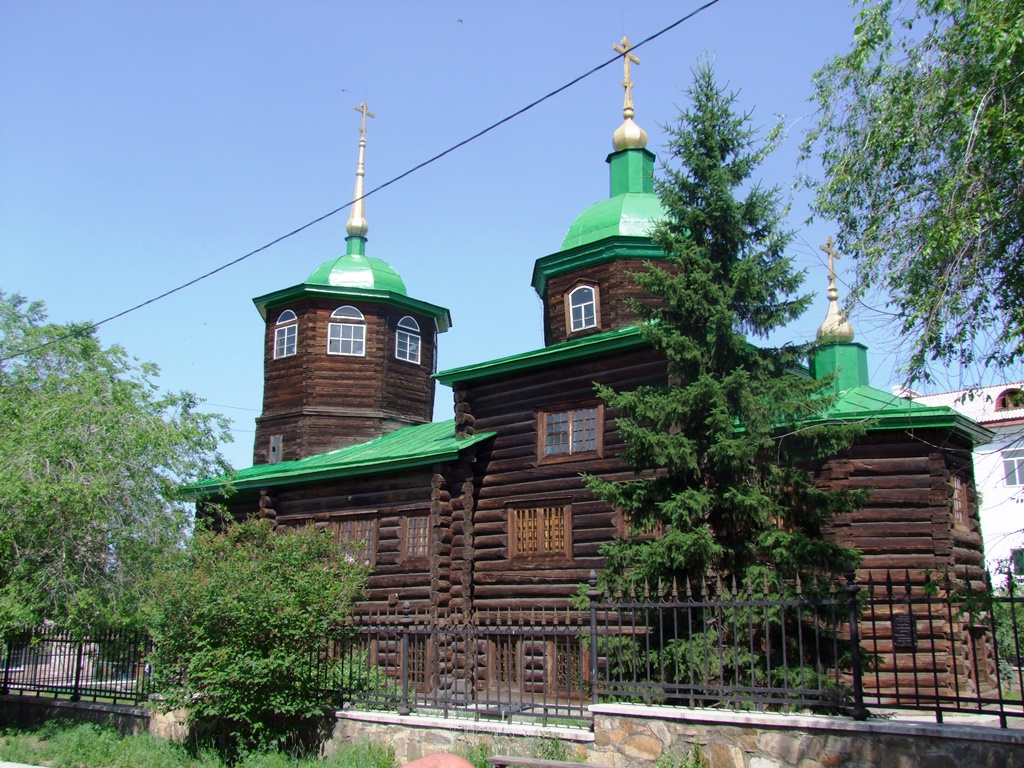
column 631, row 214
column 355, row 271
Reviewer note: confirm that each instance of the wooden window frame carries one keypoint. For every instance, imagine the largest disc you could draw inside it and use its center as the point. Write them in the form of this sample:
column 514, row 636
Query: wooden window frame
column 407, row 523
column 501, row 675
column 622, row 530
column 421, row 674
column 559, row 649
column 339, row 526
column 569, row 325
column 571, row 455
column 518, row 518
column 959, row 502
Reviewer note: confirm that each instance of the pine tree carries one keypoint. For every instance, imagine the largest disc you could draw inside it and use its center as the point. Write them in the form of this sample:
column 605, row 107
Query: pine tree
column 724, row 453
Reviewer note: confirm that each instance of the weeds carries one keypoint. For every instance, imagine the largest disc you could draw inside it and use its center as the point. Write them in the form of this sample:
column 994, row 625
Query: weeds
column 85, row 745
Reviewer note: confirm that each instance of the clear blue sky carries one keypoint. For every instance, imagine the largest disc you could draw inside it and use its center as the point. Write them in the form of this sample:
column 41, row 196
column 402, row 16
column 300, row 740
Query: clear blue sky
column 142, row 144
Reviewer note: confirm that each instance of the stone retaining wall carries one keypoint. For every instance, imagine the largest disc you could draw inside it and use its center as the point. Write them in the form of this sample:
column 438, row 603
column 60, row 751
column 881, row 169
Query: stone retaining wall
column 27, row 711
column 631, row 736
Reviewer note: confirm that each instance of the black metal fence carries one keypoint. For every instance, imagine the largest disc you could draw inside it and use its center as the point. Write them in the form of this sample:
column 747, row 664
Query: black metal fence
column 925, row 643
column 932, row 644
column 498, row 666
column 109, row 665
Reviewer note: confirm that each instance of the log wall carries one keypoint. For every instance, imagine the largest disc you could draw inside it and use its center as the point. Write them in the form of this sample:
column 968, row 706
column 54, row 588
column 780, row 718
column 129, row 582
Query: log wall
column 510, row 473
column 908, row 534
column 616, row 287
column 319, row 402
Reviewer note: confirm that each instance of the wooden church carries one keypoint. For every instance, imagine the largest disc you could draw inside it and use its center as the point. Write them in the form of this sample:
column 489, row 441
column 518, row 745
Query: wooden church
column 488, row 510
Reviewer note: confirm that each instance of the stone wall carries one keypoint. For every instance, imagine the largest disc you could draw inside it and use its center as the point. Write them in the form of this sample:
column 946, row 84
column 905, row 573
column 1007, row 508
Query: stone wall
column 27, row 711
column 633, row 736
column 628, row 736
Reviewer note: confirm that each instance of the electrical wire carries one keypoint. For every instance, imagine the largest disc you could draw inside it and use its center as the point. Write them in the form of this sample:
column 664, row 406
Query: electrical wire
column 88, row 328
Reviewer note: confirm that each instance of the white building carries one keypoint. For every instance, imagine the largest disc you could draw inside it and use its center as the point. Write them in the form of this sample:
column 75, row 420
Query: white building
column 998, row 466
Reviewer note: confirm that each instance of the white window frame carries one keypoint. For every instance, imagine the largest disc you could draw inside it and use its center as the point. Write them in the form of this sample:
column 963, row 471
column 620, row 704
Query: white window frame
column 276, row 449
column 286, row 335
column 351, row 334
column 408, row 341
column 583, row 321
column 1013, row 467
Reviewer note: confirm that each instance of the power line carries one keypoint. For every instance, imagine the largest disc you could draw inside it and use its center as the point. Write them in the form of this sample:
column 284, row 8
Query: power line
column 93, row 326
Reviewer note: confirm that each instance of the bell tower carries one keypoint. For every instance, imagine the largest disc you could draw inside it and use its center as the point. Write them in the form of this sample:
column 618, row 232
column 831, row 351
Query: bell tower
column 348, row 354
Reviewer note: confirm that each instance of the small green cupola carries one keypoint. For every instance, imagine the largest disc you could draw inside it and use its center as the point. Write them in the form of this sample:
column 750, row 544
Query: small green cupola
column 586, row 284
column 348, row 354
column 837, row 354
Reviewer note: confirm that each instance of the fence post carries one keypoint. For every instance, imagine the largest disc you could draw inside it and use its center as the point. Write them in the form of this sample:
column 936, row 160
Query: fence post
column 75, row 695
column 592, row 596
column 403, row 707
column 7, row 667
column 859, row 711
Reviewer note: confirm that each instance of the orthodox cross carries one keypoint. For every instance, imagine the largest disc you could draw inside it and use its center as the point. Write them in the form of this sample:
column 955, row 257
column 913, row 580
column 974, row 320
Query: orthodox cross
column 624, row 47
column 366, row 113
column 832, row 255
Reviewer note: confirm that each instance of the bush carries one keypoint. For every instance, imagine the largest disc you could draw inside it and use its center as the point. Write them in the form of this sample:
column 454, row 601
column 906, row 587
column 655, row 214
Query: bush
column 240, row 623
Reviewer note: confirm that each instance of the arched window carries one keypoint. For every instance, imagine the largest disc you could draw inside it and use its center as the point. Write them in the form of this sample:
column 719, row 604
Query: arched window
column 1010, row 399
column 347, row 337
column 582, row 308
column 407, row 340
column 285, row 334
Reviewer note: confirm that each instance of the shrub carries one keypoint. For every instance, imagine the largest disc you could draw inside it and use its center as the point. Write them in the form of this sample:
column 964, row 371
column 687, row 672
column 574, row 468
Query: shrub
column 240, row 622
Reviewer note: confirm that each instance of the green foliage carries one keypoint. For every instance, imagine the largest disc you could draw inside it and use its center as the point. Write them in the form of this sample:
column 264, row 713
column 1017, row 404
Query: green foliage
column 65, row 744
column 239, row 623
column 722, row 452
column 477, row 753
column 921, row 138
column 93, row 454
column 672, row 759
column 552, row 749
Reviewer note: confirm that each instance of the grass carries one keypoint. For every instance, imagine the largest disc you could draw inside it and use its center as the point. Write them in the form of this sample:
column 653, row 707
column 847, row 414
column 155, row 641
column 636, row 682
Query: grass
column 85, row 745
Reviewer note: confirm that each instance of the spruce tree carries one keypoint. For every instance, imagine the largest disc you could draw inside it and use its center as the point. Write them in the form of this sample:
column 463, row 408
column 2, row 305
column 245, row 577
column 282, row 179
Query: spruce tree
column 724, row 453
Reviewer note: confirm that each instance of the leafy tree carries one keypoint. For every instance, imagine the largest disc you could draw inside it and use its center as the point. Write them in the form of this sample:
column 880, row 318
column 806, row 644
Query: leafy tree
column 91, row 456
column 921, row 135
column 724, row 451
column 240, row 622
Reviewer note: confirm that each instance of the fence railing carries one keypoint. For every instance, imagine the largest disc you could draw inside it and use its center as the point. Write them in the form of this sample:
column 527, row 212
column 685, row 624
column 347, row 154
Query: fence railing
column 497, row 666
column 109, row 665
column 923, row 643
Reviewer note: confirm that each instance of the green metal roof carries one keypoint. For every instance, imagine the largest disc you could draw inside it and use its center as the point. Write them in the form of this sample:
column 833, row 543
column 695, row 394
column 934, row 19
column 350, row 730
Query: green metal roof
column 609, row 249
column 417, row 446
column 885, row 411
column 556, row 354
column 631, row 214
column 442, row 317
column 357, row 271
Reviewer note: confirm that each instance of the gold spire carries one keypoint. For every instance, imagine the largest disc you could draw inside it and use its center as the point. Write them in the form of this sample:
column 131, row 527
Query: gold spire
column 357, row 226
column 629, row 135
column 835, row 328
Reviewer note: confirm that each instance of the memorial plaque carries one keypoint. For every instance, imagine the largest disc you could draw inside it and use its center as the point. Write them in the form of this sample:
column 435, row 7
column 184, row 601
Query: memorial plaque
column 904, row 632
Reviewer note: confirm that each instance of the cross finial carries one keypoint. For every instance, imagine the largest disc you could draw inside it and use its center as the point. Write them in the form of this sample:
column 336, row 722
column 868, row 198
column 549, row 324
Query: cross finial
column 624, row 47
column 833, row 254
column 366, row 113
column 357, row 226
